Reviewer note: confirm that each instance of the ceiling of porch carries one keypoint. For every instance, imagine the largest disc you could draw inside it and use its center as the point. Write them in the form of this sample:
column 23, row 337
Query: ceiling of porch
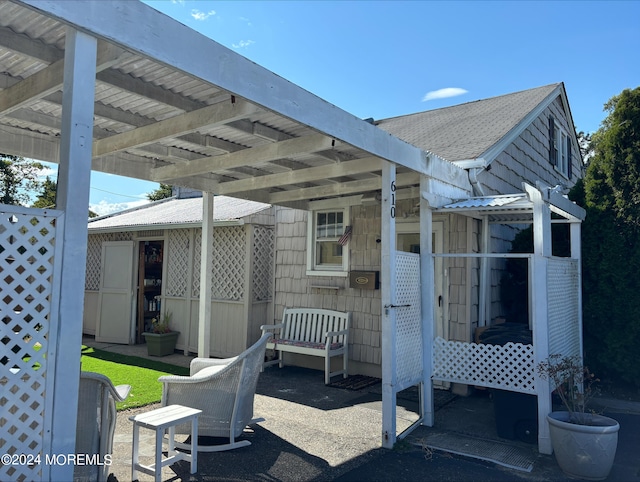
column 157, row 122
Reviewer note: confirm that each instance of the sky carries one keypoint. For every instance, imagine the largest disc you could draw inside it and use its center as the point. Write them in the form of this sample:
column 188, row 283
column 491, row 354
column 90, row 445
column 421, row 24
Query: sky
column 383, row 59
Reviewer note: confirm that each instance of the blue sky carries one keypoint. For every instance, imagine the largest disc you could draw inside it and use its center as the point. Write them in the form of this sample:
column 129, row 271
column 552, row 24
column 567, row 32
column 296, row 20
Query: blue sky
column 388, row 58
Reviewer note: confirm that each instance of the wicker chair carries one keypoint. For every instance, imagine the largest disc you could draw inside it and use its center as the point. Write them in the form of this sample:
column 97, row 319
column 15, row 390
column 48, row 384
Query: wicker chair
column 223, row 390
column 96, row 423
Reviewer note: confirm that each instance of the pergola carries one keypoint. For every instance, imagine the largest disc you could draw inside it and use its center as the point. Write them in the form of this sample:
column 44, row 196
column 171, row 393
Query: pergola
column 172, row 106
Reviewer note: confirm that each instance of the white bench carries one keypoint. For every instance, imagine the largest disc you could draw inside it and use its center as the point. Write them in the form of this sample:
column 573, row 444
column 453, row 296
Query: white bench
column 310, row 331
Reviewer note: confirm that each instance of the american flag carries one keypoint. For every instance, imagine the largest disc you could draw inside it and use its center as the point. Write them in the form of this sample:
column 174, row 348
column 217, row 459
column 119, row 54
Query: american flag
column 344, row 239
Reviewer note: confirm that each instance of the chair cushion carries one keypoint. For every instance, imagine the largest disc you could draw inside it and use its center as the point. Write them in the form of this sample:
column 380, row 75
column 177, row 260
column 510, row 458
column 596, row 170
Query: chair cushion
column 305, row 344
column 208, row 371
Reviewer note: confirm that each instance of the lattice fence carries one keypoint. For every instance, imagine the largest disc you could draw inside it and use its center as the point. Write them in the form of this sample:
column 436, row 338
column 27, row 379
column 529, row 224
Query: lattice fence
column 563, row 299
column 94, row 256
column 27, row 256
column 263, row 240
column 229, row 256
column 177, row 259
column 408, row 321
column 508, row 367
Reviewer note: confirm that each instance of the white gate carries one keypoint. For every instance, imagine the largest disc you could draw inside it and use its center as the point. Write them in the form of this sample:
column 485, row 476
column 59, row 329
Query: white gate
column 29, row 264
column 408, row 321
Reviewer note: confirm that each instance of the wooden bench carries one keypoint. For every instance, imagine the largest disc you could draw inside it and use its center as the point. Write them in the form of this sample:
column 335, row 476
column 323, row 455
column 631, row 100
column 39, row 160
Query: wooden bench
column 310, row 331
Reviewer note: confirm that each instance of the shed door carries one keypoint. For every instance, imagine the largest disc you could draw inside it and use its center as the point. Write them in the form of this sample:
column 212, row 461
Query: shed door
column 115, row 304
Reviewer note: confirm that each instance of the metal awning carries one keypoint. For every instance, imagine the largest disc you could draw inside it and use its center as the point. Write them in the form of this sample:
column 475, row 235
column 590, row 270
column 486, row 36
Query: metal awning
column 515, row 208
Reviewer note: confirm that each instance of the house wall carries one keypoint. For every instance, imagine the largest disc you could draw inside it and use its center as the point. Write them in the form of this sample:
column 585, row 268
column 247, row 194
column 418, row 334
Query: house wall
column 294, row 288
column 526, row 159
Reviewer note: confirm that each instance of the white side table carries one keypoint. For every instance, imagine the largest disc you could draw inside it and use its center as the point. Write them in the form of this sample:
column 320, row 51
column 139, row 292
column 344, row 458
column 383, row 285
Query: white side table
column 160, row 420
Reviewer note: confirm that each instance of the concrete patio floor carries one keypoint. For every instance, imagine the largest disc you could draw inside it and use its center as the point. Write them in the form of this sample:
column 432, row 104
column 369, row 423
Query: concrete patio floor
column 313, row 432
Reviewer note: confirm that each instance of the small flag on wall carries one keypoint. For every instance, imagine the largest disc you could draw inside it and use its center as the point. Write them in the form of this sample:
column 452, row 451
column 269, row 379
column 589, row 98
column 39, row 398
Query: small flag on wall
column 344, row 239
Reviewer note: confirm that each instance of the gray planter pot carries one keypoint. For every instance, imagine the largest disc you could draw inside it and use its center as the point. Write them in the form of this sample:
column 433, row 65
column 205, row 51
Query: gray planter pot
column 161, row 344
column 584, row 451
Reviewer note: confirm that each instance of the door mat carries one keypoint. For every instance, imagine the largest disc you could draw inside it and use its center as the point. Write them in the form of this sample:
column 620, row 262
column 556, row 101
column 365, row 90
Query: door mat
column 355, row 382
column 488, row 450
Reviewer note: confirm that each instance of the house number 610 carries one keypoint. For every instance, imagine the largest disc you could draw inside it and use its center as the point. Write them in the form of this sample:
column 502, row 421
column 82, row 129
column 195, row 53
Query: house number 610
column 393, row 199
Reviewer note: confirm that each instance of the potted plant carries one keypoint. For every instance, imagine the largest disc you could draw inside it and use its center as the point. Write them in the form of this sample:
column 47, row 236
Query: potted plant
column 584, row 443
column 161, row 340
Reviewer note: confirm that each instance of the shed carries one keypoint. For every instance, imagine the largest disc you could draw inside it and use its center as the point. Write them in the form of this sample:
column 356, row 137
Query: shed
column 153, row 253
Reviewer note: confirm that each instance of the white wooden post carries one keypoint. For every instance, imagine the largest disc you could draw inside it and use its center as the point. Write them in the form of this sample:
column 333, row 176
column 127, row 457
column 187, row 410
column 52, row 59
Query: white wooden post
column 74, row 177
column 427, row 288
column 206, row 273
column 388, row 295
column 576, row 253
column 540, row 316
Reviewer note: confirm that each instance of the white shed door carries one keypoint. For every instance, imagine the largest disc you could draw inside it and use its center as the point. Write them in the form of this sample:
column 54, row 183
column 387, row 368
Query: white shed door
column 115, row 305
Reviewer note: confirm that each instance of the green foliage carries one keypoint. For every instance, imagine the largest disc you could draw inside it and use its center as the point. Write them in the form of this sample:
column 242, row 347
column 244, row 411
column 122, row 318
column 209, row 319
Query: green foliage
column 18, row 177
column 163, row 192
column 47, row 197
column 611, row 242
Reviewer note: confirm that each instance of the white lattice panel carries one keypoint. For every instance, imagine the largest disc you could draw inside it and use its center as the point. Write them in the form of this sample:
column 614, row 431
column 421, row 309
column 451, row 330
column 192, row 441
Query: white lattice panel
column 563, row 299
column 177, row 259
column 408, row 320
column 508, row 367
column 26, row 269
column 229, row 256
column 228, row 263
column 263, row 240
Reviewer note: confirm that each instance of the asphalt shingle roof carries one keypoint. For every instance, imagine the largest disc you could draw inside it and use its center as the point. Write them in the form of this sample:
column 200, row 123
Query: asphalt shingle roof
column 466, row 131
column 178, row 211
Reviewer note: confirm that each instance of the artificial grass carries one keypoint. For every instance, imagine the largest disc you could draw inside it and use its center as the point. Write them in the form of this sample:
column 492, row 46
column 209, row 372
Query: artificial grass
column 140, row 373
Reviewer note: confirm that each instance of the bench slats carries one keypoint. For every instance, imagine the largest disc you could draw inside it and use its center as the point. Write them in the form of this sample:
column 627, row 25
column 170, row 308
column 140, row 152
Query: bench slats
column 304, row 330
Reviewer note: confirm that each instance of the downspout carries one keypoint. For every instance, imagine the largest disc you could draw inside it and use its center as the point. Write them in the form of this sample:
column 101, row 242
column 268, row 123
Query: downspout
column 475, row 182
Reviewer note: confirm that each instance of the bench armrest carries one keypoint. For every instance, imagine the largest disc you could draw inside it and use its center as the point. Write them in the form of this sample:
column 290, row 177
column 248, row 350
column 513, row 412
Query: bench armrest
column 330, row 334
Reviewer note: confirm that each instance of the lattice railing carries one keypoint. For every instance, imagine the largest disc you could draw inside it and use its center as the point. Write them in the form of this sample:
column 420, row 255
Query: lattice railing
column 408, row 321
column 563, row 311
column 177, row 259
column 263, row 240
column 508, row 367
column 27, row 256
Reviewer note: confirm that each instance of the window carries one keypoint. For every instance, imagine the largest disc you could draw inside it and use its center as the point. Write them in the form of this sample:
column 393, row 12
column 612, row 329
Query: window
column 559, row 148
column 326, row 253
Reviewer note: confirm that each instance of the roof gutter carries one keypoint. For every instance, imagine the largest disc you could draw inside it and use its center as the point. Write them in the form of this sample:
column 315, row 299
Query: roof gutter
column 154, row 227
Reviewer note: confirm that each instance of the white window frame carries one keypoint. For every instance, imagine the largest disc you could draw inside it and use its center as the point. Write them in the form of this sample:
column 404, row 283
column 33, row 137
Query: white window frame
column 314, row 269
column 560, row 142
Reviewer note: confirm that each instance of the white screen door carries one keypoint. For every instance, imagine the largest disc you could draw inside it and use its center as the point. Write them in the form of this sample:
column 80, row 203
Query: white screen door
column 408, row 239
column 115, row 302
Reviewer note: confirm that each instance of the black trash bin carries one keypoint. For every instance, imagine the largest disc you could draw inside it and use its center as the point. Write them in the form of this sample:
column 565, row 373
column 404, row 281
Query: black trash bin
column 516, row 413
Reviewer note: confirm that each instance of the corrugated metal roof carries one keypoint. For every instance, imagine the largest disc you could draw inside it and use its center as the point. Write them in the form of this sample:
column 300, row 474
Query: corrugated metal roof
column 212, row 129
column 489, row 202
column 175, row 211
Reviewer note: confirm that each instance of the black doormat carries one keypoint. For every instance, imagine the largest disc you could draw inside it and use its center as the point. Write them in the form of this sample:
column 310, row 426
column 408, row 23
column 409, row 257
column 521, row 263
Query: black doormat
column 355, row 382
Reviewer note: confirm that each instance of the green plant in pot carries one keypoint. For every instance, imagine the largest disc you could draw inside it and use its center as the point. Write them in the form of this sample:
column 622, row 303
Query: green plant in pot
column 584, row 442
column 161, row 340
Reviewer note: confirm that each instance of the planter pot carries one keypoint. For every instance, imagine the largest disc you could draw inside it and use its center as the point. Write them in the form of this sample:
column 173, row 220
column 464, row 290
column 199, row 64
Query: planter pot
column 584, row 451
column 161, row 344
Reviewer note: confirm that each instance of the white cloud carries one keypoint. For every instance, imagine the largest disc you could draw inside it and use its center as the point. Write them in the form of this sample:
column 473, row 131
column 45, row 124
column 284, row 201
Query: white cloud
column 198, row 15
column 242, row 44
column 444, row 93
column 104, row 207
